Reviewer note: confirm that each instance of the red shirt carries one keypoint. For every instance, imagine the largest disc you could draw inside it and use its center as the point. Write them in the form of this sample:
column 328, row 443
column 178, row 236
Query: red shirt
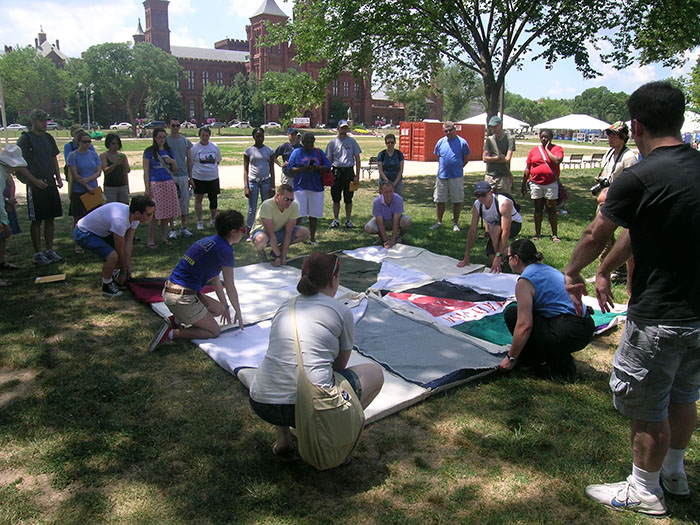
column 540, row 165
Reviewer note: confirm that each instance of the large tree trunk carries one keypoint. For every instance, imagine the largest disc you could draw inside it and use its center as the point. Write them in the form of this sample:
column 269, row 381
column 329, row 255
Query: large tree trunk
column 492, row 94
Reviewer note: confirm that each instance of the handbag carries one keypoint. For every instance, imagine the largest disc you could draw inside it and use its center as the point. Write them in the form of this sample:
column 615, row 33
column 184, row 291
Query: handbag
column 327, row 176
column 563, row 194
column 329, row 421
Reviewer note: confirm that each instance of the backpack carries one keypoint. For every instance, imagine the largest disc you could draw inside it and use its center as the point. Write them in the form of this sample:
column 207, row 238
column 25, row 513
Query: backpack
column 516, row 206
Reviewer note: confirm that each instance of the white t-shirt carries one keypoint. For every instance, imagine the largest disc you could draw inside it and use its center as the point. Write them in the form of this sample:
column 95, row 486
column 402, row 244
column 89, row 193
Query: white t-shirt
column 492, row 215
column 259, row 166
column 325, row 327
column 613, row 164
column 206, row 161
column 112, row 217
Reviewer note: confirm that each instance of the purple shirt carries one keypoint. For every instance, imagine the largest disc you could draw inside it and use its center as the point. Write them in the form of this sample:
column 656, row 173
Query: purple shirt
column 386, row 212
column 202, row 261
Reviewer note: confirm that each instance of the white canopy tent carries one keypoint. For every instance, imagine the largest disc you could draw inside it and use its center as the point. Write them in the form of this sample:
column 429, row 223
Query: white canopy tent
column 691, row 123
column 574, row 121
column 508, row 121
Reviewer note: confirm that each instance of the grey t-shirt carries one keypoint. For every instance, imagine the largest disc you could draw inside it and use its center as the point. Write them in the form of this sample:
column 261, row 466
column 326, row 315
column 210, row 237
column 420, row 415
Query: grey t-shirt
column 326, row 327
column 180, row 145
column 505, row 144
column 259, row 162
column 342, row 153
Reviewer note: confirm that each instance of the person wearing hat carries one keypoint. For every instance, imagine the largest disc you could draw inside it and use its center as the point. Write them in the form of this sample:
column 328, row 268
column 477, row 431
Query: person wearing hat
column 343, row 152
column 503, row 220
column 285, row 151
column 43, row 180
column 453, row 154
column 498, row 150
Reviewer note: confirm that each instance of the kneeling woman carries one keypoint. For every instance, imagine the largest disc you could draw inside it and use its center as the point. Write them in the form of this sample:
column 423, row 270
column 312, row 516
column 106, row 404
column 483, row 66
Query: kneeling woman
column 326, row 332
column 544, row 323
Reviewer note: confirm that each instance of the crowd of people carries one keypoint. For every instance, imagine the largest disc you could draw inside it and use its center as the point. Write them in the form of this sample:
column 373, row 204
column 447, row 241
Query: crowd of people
column 656, row 369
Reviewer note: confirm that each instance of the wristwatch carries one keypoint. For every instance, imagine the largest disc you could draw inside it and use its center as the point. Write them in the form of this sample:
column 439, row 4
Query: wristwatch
column 498, row 254
column 511, row 358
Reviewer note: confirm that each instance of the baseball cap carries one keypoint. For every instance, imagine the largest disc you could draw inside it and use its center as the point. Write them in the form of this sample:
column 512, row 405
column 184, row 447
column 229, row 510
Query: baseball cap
column 342, row 123
column 292, row 131
column 618, row 127
column 38, row 114
column 495, row 121
column 482, row 187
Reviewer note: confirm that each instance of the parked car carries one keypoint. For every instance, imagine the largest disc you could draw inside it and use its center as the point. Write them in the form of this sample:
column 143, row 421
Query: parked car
column 17, row 127
column 271, row 125
column 217, row 125
column 121, row 125
column 155, row 124
column 189, row 125
column 96, row 135
column 241, row 124
column 53, row 125
column 387, row 126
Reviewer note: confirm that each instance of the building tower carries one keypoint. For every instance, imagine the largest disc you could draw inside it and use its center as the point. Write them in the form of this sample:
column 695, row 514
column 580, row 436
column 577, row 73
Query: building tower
column 264, row 59
column 157, row 28
column 139, row 36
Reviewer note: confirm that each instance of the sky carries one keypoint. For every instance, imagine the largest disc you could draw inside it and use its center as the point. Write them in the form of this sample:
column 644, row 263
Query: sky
column 79, row 24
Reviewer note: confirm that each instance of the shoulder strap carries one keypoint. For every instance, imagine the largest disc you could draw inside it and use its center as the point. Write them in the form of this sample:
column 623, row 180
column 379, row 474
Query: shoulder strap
column 297, row 344
column 495, row 144
column 162, row 163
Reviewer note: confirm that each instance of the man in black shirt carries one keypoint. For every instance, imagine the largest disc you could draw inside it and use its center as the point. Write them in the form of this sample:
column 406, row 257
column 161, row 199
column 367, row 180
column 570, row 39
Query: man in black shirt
column 656, row 369
column 285, row 151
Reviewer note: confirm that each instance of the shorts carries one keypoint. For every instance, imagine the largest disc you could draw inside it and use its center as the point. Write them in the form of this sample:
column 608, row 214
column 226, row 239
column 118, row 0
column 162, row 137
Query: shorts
column 388, row 225
column 14, row 221
column 100, row 246
column 279, row 234
column 544, row 191
column 76, row 209
column 343, row 177
column 165, row 196
column 283, row 415
column 515, row 228
column 184, row 194
column 500, row 184
column 449, row 190
column 310, row 203
column 656, row 365
column 43, row 204
column 187, row 309
column 209, row 187
column 117, row 194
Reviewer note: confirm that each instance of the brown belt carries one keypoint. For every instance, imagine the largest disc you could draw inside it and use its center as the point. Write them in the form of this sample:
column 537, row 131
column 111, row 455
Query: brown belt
column 178, row 290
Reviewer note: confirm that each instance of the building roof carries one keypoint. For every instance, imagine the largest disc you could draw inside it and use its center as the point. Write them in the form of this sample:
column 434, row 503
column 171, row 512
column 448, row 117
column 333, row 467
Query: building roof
column 139, row 30
column 269, row 7
column 201, row 53
column 47, row 48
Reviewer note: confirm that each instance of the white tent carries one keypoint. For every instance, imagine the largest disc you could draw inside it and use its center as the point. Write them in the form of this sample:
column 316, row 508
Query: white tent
column 573, row 122
column 691, row 123
column 508, row 122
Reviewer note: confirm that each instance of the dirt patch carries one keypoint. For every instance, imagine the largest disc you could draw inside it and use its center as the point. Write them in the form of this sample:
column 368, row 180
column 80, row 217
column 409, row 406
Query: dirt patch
column 16, row 384
column 45, row 496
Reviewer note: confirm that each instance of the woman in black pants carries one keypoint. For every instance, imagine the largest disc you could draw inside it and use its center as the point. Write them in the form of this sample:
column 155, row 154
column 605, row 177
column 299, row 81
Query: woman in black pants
column 544, row 324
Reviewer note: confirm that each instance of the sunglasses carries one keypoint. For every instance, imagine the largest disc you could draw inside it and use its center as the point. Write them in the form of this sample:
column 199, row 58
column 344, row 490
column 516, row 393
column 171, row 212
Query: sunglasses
column 336, row 266
column 287, row 199
column 448, row 130
column 86, row 141
column 390, row 142
column 174, row 125
column 477, row 195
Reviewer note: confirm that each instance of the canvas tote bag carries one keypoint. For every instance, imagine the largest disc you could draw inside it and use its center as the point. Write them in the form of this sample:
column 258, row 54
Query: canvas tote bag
column 329, row 421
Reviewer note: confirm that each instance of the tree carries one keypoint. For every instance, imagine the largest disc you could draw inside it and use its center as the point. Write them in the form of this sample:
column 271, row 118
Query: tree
column 219, row 101
column 128, row 74
column 28, row 80
column 337, row 110
column 294, row 91
column 523, row 109
column 165, row 104
column 409, row 38
column 416, row 100
column 246, row 101
column 602, row 103
column 460, row 88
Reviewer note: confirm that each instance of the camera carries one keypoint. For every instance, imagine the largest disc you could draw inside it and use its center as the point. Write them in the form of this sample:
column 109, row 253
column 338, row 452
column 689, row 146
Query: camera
column 600, row 184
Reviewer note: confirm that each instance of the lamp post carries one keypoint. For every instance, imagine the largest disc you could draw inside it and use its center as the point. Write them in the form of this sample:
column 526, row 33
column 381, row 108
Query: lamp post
column 88, row 91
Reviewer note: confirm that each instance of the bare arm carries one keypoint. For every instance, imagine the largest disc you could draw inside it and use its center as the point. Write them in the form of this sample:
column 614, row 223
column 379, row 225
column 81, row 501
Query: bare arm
column 57, row 172
column 619, row 254
column 399, row 176
column 232, row 293
column 524, row 293
column 358, row 164
column 246, row 168
column 342, row 360
column 270, row 231
column 288, row 232
column 147, row 177
column 471, row 237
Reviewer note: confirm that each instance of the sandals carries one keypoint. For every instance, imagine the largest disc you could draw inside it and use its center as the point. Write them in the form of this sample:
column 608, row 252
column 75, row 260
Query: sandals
column 8, row 266
column 151, row 245
column 555, row 238
column 166, row 242
column 535, row 237
column 287, row 456
column 78, row 250
column 4, row 283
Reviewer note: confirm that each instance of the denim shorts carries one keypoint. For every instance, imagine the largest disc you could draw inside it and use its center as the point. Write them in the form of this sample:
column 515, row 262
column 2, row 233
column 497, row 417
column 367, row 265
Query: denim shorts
column 101, row 246
column 656, row 365
column 279, row 234
column 283, row 415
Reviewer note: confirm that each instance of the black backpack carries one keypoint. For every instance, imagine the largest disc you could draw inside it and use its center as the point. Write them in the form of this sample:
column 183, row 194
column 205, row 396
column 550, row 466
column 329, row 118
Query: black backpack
column 516, row 206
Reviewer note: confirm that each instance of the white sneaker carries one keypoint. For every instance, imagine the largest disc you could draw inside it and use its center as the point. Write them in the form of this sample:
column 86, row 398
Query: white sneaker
column 335, row 223
column 211, row 223
column 349, row 224
column 436, row 226
column 185, row 232
column 40, row 258
column 624, row 496
column 455, row 227
column 200, row 225
column 172, row 235
column 52, row 256
column 675, row 485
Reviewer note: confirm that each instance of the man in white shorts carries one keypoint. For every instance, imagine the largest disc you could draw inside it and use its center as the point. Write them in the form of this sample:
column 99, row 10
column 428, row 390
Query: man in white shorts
column 453, row 154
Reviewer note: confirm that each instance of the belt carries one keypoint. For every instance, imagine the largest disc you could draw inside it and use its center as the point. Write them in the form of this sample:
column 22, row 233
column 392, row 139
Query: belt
column 178, row 290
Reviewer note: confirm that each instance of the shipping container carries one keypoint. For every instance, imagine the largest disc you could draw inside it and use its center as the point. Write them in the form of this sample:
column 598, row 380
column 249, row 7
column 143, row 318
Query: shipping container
column 417, row 139
column 474, row 135
column 405, row 139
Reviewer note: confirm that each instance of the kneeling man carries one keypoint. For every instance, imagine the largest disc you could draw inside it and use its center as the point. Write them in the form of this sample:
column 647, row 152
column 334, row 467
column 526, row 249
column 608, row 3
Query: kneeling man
column 277, row 219
column 108, row 231
column 504, row 222
column 387, row 211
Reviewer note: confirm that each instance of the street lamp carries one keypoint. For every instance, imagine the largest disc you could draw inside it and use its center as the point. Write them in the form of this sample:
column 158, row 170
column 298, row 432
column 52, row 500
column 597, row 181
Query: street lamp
column 88, row 91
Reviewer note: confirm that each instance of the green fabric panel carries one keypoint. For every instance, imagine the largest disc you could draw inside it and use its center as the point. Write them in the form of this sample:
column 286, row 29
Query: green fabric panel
column 356, row 274
column 491, row 328
column 600, row 319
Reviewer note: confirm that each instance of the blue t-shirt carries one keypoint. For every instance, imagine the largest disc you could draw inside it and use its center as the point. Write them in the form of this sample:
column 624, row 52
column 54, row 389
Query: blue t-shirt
column 450, row 155
column 202, row 261
column 551, row 298
column 72, row 146
column 157, row 172
column 390, row 164
column 307, row 180
column 86, row 164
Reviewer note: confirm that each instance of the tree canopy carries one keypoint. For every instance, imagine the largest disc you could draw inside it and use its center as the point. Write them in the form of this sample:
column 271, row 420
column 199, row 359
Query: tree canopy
column 28, row 79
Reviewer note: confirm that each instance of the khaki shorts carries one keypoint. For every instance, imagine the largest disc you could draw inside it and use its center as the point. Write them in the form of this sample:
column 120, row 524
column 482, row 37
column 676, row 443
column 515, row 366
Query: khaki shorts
column 544, row 191
column 449, row 190
column 500, row 184
column 187, row 309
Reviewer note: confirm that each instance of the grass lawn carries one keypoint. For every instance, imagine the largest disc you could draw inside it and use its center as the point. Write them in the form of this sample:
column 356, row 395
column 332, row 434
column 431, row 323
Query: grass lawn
column 93, row 429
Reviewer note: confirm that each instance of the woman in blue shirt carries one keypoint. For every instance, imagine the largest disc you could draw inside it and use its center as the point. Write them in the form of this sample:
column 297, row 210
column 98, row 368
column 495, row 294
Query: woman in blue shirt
column 544, row 324
column 85, row 168
column 390, row 164
column 158, row 166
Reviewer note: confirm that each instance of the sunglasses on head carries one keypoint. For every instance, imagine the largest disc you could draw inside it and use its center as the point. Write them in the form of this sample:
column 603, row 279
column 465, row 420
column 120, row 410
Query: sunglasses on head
column 242, row 229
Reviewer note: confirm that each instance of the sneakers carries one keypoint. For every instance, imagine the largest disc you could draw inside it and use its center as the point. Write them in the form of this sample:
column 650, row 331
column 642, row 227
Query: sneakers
column 624, row 496
column 41, row 259
column 111, row 289
column 52, row 256
column 349, row 224
column 675, row 485
column 211, row 222
column 185, row 232
column 200, row 225
column 436, row 226
column 163, row 335
column 455, row 227
column 335, row 223
column 312, row 243
column 172, row 235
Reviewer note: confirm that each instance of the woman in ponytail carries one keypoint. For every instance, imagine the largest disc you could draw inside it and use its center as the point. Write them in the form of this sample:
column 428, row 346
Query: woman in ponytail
column 544, row 324
column 326, row 333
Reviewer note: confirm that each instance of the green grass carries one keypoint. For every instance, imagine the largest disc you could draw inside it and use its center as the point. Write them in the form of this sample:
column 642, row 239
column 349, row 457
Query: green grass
column 113, row 434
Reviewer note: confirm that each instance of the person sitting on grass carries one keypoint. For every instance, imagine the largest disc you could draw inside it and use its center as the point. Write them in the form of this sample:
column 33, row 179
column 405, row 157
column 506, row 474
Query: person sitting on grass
column 326, row 332
column 277, row 219
column 387, row 211
column 202, row 263
column 546, row 329
column 108, row 232
column 503, row 220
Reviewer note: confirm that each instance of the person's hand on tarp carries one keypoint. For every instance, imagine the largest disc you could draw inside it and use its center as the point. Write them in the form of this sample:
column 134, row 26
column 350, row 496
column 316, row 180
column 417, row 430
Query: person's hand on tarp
column 576, row 288
column 603, row 292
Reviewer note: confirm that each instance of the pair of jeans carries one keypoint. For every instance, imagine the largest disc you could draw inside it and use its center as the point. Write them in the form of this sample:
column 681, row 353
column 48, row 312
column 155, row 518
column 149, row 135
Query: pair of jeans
column 257, row 188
